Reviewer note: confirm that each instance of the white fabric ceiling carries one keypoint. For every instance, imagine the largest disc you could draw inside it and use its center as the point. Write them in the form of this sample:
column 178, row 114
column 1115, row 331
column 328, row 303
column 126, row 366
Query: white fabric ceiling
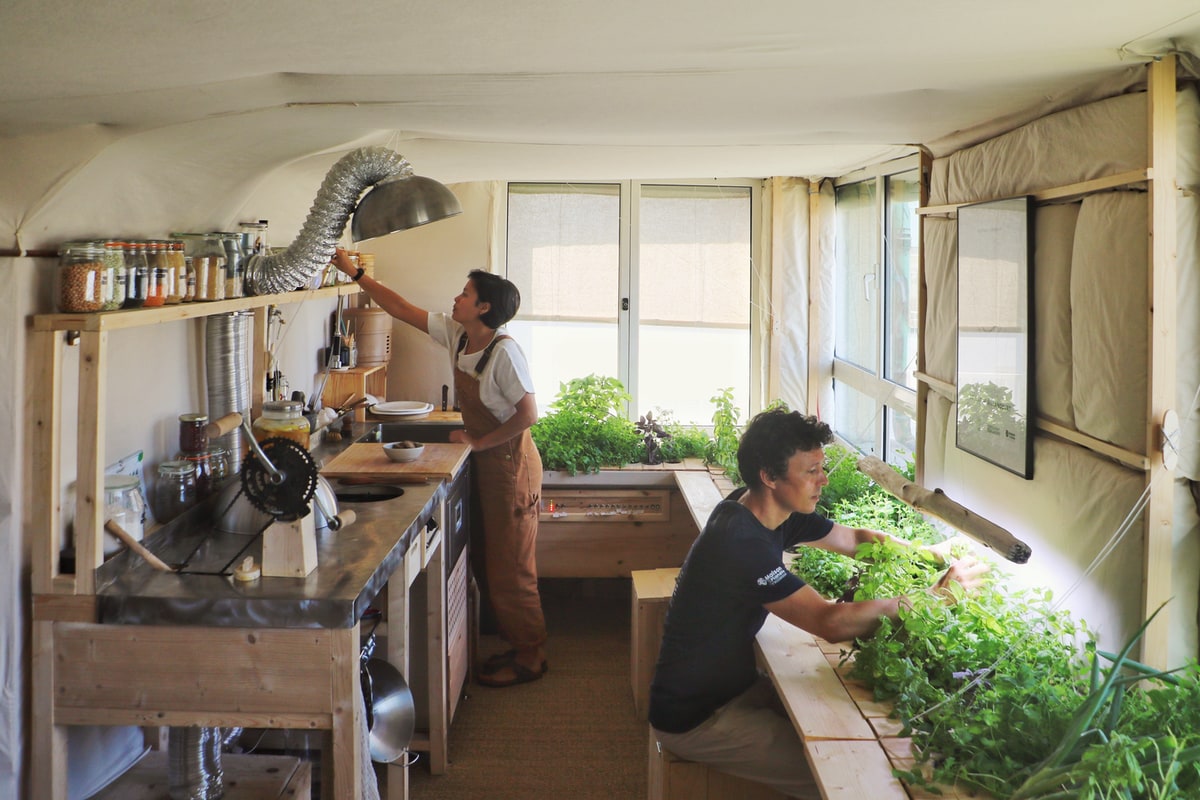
column 529, row 89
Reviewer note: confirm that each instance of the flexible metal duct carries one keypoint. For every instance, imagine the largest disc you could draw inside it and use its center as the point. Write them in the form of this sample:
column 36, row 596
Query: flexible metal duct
column 317, row 240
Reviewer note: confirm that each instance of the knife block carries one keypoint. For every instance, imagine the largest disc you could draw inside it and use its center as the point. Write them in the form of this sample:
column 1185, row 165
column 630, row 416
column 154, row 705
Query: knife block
column 290, row 548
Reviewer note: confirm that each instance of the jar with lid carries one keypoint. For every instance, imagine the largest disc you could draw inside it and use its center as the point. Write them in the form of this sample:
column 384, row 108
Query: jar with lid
column 235, row 268
column 283, row 419
column 208, row 263
column 193, row 433
column 114, row 264
column 79, row 281
column 177, row 265
column 124, row 505
column 137, row 272
column 175, row 491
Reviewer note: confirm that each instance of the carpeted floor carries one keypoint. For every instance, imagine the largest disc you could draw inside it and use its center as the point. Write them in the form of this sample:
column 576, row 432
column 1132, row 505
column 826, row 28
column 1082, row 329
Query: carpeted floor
column 573, row 734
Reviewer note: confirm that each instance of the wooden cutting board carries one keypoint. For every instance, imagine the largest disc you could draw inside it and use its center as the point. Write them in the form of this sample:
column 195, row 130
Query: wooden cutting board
column 367, row 460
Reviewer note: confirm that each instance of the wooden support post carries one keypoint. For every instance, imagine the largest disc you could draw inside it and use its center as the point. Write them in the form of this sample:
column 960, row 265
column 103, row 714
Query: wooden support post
column 290, row 548
column 1156, row 584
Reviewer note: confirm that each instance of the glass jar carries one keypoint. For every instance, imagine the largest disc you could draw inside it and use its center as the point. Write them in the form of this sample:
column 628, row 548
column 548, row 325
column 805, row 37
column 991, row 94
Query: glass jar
column 284, row 419
column 177, row 265
column 79, row 282
column 208, row 263
column 175, row 491
column 193, row 433
column 159, row 285
column 124, row 505
column 114, row 264
column 137, row 275
column 202, row 472
column 219, row 465
column 235, row 267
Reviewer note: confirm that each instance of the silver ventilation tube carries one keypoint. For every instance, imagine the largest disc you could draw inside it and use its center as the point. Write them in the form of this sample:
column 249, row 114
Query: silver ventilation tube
column 318, row 239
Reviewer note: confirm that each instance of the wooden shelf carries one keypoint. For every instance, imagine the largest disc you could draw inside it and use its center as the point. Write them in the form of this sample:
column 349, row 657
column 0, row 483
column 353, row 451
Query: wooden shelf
column 140, row 317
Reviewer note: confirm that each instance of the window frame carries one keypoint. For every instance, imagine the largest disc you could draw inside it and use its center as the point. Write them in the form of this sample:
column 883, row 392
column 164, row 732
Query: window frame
column 887, row 394
column 629, row 273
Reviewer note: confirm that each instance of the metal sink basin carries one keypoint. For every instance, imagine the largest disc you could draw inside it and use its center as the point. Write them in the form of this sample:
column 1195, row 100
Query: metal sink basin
column 399, row 431
column 367, row 493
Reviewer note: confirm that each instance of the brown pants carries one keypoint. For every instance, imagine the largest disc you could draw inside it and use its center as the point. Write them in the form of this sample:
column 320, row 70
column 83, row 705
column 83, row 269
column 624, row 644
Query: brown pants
column 507, row 483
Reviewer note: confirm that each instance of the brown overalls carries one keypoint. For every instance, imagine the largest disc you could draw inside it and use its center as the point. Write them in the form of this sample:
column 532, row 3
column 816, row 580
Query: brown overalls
column 507, row 484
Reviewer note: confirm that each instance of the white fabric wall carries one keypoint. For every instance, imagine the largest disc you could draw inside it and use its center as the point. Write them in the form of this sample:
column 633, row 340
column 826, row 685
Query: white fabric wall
column 790, row 310
column 1091, row 346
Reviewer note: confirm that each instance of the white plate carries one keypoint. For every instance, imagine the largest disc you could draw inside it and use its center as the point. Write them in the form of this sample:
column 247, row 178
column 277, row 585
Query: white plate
column 402, row 408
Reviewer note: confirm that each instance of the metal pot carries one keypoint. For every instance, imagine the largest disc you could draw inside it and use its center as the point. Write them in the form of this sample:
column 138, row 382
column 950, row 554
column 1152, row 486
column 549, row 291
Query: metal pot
column 391, row 715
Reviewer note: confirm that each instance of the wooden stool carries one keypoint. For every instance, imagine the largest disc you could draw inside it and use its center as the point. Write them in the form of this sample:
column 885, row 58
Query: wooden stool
column 673, row 778
column 652, row 589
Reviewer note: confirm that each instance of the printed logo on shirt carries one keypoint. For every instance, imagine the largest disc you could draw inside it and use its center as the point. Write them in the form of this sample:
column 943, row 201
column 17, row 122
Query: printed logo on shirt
column 773, row 577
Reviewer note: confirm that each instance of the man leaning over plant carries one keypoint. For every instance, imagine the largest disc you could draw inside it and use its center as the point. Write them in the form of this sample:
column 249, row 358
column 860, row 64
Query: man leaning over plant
column 708, row 702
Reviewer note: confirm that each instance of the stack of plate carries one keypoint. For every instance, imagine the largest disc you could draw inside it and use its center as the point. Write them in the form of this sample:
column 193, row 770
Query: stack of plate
column 402, row 408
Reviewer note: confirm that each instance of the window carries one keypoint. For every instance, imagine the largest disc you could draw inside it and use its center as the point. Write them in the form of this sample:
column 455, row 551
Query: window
column 649, row 283
column 876, row 292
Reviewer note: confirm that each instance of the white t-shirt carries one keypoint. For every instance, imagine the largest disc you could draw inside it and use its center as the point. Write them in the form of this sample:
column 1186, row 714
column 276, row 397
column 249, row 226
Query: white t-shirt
column 506, row 377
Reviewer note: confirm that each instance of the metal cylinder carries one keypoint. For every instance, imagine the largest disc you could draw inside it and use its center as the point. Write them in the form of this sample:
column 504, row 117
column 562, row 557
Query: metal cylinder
column 194, row 764
column 227, row 339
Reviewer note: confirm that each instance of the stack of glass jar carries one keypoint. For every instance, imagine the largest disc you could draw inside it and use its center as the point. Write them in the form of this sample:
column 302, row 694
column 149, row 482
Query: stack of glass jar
column 211, row 464
column 111, row 274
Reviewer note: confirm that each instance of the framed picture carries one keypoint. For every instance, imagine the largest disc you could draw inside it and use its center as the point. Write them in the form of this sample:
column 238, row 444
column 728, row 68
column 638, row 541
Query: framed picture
column 995, row 340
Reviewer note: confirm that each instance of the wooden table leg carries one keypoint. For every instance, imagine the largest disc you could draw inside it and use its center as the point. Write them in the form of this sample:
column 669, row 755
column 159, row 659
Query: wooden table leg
column 48, row 761
column 348, row 754
column 439, row 701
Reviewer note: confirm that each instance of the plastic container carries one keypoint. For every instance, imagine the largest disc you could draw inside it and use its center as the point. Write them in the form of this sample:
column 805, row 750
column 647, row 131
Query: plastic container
column 79, row 283
column 282, row 419
column 124, row 505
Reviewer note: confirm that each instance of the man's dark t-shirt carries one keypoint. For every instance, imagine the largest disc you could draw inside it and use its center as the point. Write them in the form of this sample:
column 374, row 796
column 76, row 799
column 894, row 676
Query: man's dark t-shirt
column 734, row 567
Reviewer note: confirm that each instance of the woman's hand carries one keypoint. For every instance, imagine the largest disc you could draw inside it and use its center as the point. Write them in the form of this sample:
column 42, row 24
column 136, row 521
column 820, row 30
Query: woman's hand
column 462, row 437
column 343, row 263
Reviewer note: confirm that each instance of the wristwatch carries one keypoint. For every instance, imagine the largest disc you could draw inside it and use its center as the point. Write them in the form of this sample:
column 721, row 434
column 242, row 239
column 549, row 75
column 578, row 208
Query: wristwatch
column 358, row 274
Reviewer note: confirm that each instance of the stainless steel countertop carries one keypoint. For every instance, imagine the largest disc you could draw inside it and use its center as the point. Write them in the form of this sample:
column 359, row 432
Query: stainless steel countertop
column 353, row 564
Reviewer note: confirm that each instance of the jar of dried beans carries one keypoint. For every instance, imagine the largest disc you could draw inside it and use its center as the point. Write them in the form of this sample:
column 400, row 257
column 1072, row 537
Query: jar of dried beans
column 80, row 286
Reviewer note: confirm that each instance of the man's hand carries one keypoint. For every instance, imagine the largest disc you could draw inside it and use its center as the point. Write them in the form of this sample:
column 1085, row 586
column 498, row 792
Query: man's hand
column 942, row 550
column 964, row 575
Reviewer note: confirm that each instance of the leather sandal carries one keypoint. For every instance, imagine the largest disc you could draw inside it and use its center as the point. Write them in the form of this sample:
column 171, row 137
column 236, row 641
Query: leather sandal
column 520, row 674
column 498, row 661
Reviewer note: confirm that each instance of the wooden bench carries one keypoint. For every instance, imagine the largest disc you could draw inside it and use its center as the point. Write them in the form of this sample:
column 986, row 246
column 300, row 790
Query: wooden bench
column 674, row 778
column 652, row 590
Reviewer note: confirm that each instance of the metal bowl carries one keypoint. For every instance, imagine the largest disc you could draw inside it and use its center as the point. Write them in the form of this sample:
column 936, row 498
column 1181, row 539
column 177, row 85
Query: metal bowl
column 391, row 714
column 236, row 514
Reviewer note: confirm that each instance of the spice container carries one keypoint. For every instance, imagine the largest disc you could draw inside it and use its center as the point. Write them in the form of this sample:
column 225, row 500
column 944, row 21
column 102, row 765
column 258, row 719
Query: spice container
column 137, row 275
column 235, row 268
column 175, row 491
column 284, row 419
column 79, row 277
column 159, row 285
column 208, row 263
column 114, row 268
column 177, row 264
column 124, row 505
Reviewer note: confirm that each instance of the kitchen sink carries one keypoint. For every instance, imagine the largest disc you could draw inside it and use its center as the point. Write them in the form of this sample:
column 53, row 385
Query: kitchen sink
column 367, row 493
column 399, row 431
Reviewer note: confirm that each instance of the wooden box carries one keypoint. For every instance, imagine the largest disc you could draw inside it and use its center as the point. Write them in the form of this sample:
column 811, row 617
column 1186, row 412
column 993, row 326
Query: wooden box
column 652, row 590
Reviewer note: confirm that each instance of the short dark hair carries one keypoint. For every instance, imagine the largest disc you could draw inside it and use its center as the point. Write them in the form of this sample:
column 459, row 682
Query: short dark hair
column 503, row 295
column 772, row 438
